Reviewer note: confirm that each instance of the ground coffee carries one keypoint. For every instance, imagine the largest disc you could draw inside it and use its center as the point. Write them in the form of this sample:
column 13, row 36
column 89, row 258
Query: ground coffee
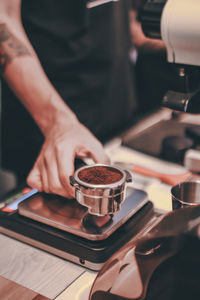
column 100, row 175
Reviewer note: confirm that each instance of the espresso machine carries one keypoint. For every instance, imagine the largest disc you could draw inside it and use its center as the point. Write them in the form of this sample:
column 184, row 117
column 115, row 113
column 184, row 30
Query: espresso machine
column 177, row 23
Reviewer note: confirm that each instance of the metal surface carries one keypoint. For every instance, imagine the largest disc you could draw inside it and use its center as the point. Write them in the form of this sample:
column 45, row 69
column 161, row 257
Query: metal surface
column 186, row 194
column 101, row 199
column 70, row 216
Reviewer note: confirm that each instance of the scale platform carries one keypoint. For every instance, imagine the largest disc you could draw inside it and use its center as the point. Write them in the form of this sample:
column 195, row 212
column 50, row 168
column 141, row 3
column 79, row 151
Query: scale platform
column 65, row 228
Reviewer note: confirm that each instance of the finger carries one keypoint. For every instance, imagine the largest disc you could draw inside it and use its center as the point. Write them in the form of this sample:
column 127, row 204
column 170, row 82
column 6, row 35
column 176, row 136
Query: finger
column 101, row 158
column 65, row 165
column 55, row 186
column 43, row 174
column 34, row 179
column 98, row 154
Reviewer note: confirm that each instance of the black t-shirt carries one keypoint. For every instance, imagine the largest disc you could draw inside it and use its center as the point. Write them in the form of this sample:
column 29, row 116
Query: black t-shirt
column 83, row 47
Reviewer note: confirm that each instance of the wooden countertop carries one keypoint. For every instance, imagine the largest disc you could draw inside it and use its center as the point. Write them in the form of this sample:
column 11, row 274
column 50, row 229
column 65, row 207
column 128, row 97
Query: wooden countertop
column 34, row 269
column 10, row 290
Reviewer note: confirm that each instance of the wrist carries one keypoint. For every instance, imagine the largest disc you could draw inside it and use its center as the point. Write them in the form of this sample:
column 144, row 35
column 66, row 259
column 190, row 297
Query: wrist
column 56, row 113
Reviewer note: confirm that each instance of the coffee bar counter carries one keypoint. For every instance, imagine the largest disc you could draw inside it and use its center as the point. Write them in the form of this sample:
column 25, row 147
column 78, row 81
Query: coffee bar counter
column 42, row 274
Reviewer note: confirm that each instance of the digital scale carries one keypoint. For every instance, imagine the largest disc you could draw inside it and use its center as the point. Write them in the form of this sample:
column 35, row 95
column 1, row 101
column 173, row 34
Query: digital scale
column 65, row 228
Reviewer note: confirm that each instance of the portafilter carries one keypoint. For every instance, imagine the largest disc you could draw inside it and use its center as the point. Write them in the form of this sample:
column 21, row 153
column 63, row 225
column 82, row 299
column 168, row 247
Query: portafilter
column 101, row 188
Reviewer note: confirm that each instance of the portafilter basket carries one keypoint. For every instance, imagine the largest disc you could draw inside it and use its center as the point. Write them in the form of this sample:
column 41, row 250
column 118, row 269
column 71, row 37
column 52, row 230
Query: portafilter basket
column 101, row 199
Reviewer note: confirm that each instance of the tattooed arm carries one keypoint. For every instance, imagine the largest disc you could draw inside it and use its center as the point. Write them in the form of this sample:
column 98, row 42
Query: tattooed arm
column 10, row 47
column 65, row 137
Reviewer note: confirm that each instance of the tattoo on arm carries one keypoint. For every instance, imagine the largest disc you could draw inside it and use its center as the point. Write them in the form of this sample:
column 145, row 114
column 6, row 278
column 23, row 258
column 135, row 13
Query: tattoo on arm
column 10, row 47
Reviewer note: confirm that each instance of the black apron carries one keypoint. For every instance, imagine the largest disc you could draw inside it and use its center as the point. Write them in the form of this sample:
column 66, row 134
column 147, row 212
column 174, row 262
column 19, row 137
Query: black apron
column 83, row 47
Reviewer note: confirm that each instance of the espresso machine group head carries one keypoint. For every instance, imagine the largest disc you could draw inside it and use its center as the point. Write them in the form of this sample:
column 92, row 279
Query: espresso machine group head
column 177, row 23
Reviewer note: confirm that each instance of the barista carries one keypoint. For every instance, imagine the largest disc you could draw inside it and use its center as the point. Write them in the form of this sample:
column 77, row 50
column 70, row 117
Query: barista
column 67, row 62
